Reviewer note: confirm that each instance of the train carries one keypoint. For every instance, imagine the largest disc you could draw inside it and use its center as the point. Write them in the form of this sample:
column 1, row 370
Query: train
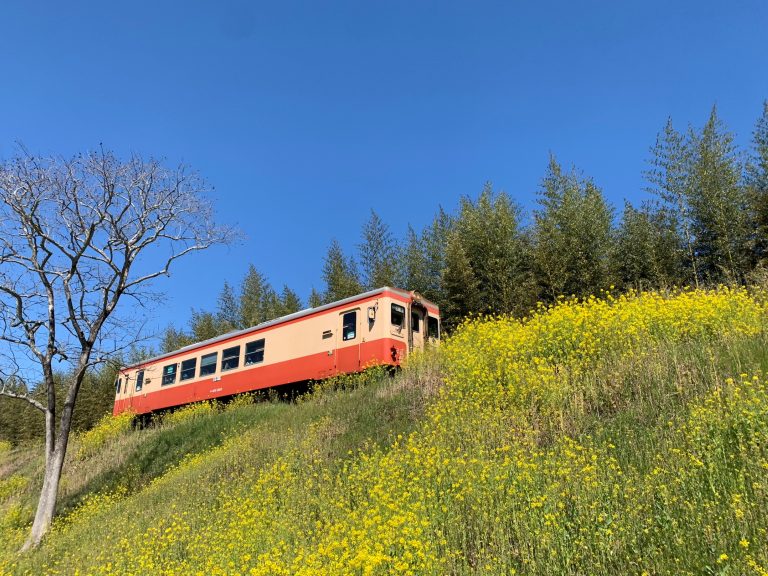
column 378, row 327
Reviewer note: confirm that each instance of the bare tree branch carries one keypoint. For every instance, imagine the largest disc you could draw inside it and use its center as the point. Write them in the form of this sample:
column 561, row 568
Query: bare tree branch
column 32, row 401
column 71, row 232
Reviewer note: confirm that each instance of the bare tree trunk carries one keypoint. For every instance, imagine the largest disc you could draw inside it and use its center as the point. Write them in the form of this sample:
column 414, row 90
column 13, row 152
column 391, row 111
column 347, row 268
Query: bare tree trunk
column 47, row 503
column 54, row 462
column 70, row 232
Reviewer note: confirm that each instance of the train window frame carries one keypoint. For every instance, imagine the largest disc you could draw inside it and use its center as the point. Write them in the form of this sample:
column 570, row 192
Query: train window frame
column 206, row 362
column 139, row 380
column 346, row 334
column 230, row 358
column 256, row 353
column 165, row 381
column 118, row 385
column 433, row 327
column 397, row 309
column 190, row 369
column 415, row 322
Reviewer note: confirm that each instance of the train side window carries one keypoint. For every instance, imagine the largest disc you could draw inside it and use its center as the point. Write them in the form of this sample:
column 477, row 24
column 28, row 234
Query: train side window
column 188, row 368
column 208, row 363
column 349, row 326
column 398, row 316
column 230, row 358
column 254, row 352
column 169, row 374
column 118, row 385
column 139, row 380
column 433, row 327
column 415, row 322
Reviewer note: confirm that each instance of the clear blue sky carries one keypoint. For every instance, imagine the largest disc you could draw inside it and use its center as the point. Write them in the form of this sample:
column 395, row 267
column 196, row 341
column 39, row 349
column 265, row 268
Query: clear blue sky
column 305, row 115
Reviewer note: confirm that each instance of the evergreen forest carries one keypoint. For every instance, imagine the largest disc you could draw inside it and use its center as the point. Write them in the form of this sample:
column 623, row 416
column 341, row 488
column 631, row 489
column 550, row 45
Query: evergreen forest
column 703, row 222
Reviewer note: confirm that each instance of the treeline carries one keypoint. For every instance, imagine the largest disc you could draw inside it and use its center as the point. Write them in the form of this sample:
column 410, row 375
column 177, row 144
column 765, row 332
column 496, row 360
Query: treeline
column 705, row 221
column 19, row 421
column 255, row 302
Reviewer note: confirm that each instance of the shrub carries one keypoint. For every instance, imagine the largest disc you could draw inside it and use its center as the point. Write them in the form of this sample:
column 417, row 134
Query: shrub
column 11, row 486
column 491, row 482
column 106, row 429
column 191, row 412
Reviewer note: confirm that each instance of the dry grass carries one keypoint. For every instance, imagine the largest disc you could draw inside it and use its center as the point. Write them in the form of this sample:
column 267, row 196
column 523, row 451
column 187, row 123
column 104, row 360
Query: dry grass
column 612, row 436
column 80, row 471
column 420, row 380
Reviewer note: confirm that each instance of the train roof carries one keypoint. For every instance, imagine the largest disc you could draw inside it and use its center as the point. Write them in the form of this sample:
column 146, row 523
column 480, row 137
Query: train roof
column 280, row 320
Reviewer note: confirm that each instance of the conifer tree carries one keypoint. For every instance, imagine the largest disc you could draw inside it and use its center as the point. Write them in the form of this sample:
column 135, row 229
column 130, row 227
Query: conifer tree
column 647, row 250
column 204, row 325
column 98, row 396
column 228, row 313
column 758, row 165
column 490, row 235
column 339, row 274
column 718, row 204
column 174, row 339
column 572, row 235
column 671, row 178
column 271, row 306
column 289, row 301
column 757, row 182
column 550, row 233
column 462, row 297
column 19, row 422
column 378, row 254
column 315, row 298
column 413, row 273
column 435, row 240
column 259, row 302
column 255, row 289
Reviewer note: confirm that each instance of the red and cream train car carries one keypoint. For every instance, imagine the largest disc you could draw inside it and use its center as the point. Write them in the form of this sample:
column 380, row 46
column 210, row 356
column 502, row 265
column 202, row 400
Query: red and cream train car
column 378, row 327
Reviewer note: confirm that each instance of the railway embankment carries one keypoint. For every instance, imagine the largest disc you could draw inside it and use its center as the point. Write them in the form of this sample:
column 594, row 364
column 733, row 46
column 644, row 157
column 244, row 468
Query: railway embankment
column 619, row 434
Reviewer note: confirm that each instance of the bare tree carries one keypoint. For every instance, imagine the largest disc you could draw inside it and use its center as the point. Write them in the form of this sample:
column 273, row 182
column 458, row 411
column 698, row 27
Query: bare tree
column 77, row 236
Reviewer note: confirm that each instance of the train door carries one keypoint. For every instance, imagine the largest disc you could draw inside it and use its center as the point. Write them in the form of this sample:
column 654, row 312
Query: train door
column 417, row 327
column 129, row 391
column 138, row 400
column 348, row 338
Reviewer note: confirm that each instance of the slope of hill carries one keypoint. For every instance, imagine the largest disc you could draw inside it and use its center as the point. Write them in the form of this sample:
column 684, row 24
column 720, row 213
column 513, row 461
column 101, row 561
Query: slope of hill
column 612, row 435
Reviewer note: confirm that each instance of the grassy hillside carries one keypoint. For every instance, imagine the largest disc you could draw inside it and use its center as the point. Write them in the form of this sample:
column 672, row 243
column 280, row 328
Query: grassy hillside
column 610, row 436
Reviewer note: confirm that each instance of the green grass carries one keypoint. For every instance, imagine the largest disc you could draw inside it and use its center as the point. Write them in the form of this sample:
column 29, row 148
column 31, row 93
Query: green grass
column 651, row 391
column 652, row 462
column 357, row 412
column 655, row 389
